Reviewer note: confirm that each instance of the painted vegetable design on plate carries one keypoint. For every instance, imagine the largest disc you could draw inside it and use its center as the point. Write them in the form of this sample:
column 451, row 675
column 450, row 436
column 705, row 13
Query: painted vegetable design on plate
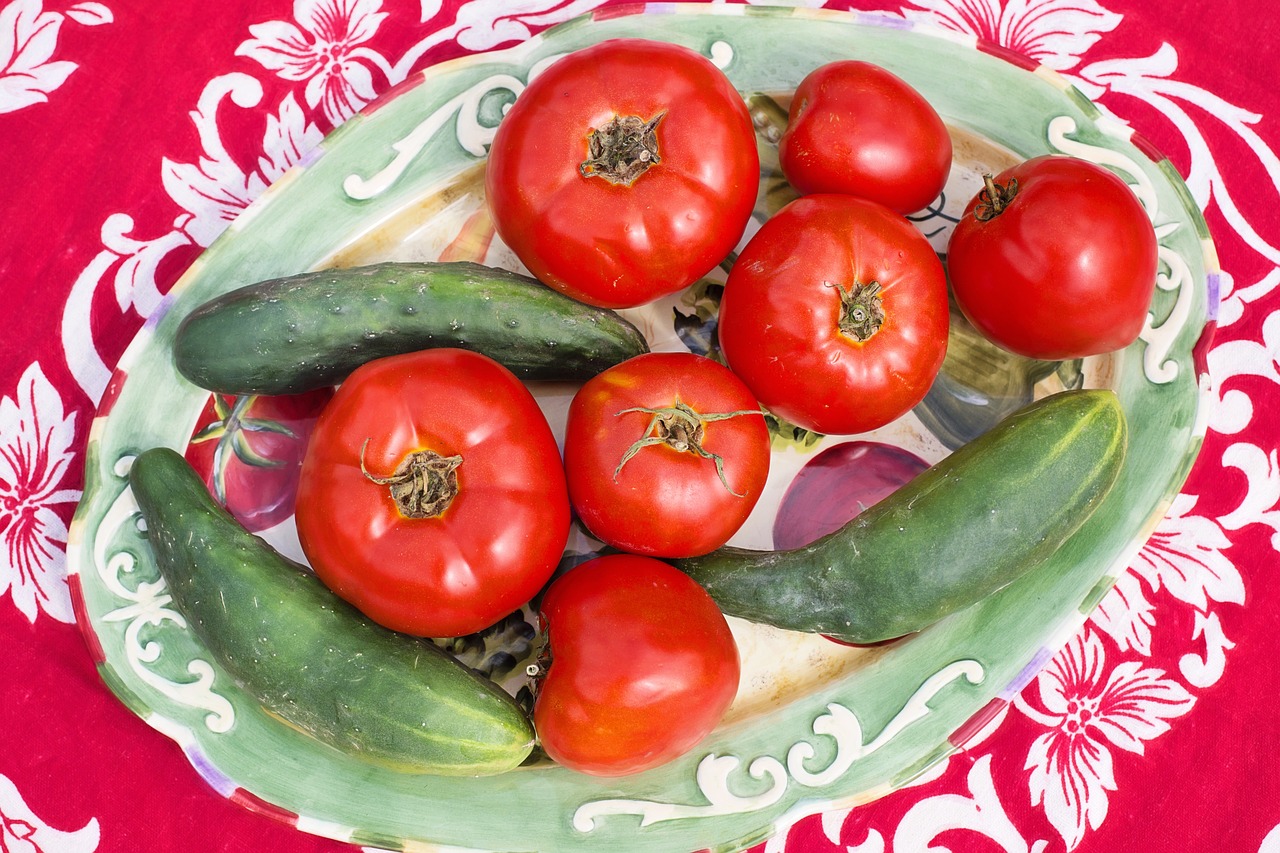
column 836, row 485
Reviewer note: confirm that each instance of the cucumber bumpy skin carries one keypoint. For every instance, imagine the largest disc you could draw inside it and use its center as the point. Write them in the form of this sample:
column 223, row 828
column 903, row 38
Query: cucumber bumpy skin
column 973, row 523
column 310, row 659
column 305, row 331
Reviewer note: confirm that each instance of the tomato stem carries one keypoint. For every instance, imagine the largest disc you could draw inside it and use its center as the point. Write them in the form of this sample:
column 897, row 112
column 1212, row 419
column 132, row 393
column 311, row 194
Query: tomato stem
column 423, row 485
column 861, row 309
column 682, row 429
column 994, row 198
column 622, row 149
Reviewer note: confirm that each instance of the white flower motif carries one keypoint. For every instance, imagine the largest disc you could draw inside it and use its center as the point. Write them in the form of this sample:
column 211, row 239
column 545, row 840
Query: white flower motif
column 1191, row 109
column 1088, row 708
column 36, row 439
column 28, row 36
column 1184, row 557
column 325, row 52
column 484, row 24
column 23, row 831
column 1126, row 615
column 1055, row 33
column 980, row 810
column 217, row 189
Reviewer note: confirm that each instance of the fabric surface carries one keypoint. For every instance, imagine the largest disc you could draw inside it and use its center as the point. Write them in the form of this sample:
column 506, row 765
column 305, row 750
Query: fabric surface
column 132, row 133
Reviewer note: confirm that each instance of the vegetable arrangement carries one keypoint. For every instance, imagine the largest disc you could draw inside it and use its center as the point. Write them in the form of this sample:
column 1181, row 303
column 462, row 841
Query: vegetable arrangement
column 433, row 499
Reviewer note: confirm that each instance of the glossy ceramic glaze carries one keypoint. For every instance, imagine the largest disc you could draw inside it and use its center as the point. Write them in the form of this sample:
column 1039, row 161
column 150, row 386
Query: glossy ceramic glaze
column 815, row 724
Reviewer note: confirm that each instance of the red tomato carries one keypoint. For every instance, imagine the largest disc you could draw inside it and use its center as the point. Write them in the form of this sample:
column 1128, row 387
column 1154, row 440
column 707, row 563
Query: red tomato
column 835, row 314
column 249, row 450
column 666, row 454
column 432, row 495
column 624, row 172
column 857, row 129
column 642, row 666
column 1055, row 260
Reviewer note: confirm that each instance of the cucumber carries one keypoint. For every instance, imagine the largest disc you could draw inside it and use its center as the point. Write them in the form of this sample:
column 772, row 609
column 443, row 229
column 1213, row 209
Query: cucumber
column 305, row 331
column 974, row 522
column 310, row 659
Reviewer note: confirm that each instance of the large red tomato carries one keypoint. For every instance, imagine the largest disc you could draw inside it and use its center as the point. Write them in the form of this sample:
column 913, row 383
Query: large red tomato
column 835, row 314
column 666, row 454
column 624, row 171
column 432, row 496
column 642, row 666
column 1055, row 259
column 858, row 129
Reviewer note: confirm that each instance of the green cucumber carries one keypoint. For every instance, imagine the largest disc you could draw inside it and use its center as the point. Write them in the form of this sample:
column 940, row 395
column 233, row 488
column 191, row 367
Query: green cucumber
column 307, row 657
column 973, row 523
column 305, row 331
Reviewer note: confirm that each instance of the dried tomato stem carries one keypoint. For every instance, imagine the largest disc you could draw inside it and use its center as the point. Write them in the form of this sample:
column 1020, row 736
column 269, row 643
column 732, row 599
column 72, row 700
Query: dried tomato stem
column 622, row 149
column 423, row 485
column 994, row 198
column 861, row 309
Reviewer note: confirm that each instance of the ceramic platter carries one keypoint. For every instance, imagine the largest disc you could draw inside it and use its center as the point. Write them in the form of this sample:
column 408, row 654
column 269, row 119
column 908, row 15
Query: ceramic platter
column 816, row 725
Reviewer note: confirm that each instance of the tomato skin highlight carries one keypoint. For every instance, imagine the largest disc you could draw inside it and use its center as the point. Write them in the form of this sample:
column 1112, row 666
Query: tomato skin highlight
column 643, row 666
column 621, row 245
column 664, row 502
column 490, row 550
column 856, row 128
column 782, row 308
column 1066, row 270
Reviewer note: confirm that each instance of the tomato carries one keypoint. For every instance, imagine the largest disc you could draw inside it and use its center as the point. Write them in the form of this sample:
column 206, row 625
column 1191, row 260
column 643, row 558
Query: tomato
column 835, row 314
column 858, row 129
column 666, row 454
column 1055, row 259
column 642, row 666
column 249, row 451
column 432, row 496
column 624, row 171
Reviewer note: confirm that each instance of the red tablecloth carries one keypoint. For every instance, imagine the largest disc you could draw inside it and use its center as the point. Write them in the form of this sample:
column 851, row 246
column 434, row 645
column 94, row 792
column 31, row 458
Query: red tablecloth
column 123, row 155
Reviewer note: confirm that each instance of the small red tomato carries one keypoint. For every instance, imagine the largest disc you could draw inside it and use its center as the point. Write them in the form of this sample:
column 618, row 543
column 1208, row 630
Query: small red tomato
column 666, row 454
column 432, row 495
column 624, row 171
column 835, row 315
column 642, row 666
column 858, row 129
column 1055, row 259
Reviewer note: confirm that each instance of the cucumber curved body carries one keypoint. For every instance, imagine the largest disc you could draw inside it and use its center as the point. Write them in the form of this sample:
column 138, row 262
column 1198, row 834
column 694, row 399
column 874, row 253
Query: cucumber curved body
column 971, row 524
column 293, row 334
column 307, row 657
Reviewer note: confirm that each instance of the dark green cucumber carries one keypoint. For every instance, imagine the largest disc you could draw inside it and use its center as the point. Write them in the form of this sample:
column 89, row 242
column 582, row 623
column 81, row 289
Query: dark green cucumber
column 971, row 524
column 305, row 331
column 307, row 657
